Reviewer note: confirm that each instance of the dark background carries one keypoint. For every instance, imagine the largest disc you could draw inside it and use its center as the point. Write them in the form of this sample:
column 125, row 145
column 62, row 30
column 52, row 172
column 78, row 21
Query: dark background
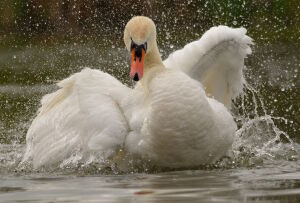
column 266, row 20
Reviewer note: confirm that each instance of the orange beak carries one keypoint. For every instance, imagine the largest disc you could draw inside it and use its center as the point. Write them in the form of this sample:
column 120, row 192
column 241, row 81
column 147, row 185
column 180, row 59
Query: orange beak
column 137, row 63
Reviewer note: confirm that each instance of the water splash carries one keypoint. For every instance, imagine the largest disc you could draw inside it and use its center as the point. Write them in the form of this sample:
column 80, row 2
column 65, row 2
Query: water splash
column 10, row 157
column 258, row 138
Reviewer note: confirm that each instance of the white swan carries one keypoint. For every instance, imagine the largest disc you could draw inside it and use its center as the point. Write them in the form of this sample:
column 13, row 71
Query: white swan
column 174, row 117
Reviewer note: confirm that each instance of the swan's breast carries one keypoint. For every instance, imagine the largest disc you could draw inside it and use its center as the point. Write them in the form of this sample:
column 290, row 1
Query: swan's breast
column 181, row 127
column 178, row 103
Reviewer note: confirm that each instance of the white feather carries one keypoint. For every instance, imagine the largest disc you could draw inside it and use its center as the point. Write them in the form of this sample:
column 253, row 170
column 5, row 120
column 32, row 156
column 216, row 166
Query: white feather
column 216, row 60
column 84, row 114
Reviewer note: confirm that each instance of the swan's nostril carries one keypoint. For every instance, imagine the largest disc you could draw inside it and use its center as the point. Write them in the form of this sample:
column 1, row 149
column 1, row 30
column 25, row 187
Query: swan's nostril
column 136, row 77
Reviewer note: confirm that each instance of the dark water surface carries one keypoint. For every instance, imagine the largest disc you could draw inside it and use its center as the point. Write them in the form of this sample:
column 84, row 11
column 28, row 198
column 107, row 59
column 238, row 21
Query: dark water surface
column 267, row 184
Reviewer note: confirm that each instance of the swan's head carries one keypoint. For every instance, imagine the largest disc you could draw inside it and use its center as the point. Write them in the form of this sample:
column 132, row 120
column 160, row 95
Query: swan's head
column 139, row 38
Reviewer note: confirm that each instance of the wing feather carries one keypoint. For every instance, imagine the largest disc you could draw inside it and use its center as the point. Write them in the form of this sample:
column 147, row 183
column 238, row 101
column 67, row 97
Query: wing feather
column 216, row 60
column 84, row 114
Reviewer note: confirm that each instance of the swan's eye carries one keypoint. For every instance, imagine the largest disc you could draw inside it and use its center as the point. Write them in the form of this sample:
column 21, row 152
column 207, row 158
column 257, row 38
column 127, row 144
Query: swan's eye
column 132, row 45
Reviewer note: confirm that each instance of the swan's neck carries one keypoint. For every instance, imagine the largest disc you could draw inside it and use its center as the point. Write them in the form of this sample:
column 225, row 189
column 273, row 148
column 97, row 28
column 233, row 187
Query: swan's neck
column 153, row 65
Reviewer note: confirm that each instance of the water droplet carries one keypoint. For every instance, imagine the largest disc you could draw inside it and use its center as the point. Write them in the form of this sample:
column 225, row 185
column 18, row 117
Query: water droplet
column 167, row 35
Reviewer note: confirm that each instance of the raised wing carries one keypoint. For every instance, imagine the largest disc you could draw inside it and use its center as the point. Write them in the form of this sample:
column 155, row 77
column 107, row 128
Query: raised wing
column 83, row 115
column 216, row 60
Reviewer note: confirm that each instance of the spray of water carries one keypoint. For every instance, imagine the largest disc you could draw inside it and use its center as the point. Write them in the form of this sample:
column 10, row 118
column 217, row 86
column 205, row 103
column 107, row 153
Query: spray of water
column 258, row 138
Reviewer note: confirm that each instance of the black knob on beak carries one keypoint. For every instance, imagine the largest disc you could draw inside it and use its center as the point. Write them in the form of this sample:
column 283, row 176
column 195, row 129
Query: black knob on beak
column 136, row 77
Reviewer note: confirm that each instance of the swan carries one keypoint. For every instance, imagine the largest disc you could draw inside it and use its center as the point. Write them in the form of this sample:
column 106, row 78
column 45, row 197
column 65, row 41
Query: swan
column 177, row 115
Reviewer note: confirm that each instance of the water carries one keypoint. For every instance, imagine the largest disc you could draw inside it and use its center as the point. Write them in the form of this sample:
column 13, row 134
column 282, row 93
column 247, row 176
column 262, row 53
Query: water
column 278, row 182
